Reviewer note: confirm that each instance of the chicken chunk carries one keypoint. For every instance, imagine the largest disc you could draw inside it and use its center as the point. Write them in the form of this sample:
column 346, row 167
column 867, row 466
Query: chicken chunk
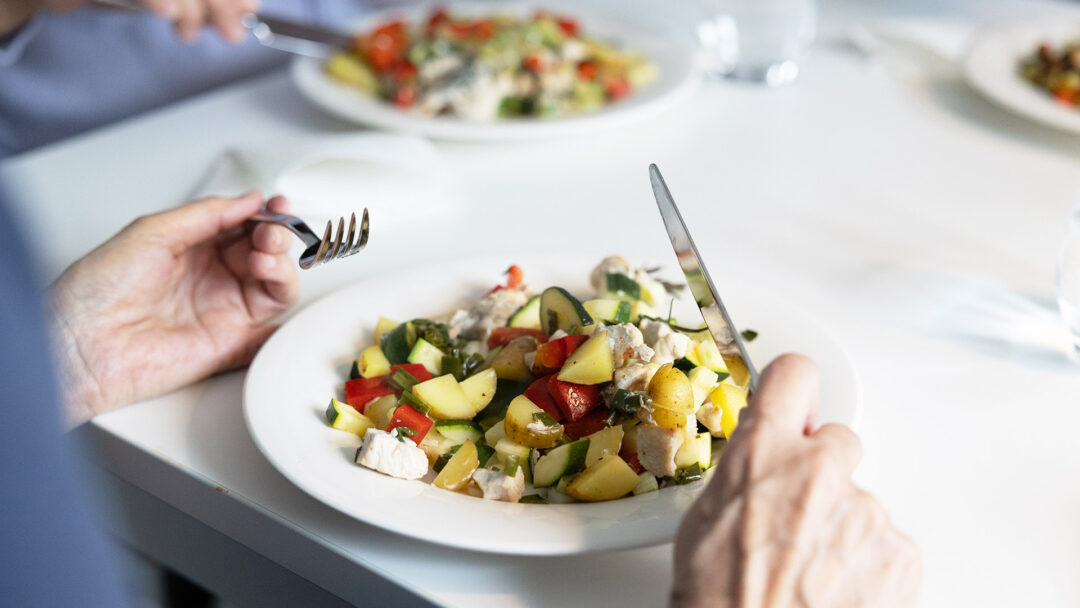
column 633, row 377
column 627, row 343
column 668, row 345
column 386, row 454
column 491, row 311
column 656, row 448
column 496, row 485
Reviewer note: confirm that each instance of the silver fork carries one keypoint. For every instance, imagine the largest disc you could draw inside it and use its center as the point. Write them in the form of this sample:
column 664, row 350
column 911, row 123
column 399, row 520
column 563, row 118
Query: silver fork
column 319, row 251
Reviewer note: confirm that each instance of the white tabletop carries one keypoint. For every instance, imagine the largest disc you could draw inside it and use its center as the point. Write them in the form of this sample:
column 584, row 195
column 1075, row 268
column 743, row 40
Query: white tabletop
column 846, row 193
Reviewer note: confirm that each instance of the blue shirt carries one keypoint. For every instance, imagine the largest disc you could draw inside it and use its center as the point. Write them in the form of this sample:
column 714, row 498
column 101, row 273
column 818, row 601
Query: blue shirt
column 63, row 74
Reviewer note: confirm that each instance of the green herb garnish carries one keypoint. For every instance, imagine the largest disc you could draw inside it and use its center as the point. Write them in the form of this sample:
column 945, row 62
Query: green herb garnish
column 690, row 474
column 689, row 330
column 545, row 419
column 440, row 462
column 748, row 335
column 411, row 400
column 618, row 282
column 403, row 380
column 401, row 432
column 625, row 403
column 533, row 499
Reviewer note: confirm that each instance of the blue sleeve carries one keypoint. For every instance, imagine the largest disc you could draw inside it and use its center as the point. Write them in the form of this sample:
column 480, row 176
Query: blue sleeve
column 53, row 551
column 12, row 49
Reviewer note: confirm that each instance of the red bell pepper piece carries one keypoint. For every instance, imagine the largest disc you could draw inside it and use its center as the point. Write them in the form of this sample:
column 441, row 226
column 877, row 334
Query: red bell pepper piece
column 404, row 97
column 503, row 335
column 541, row 398
column 595, row 420
column 575, row 400
column 571, row 343
column 632, row 460
column 551, row 355
column 568, row 26
column 437, row 18
column 405, row 416
column 617, row 89
column 515, row 277
column 417, row 370
column 587, row 70
column 361, row 391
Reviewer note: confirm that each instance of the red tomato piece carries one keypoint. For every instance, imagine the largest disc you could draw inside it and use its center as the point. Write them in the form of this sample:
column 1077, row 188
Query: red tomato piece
column 632, row 460
column 617, row 89
column 587, row 70
column 361, row 391
column 595, row 420
column 386, row 45
column 437, row 18
column 406, row 416
column 515, row 276
column 503, row 335
column 568, row 26
column 404, row 97
column 416, row 369
column 484, row 29
column 404, row 70
column 541, row 398
column 1066, row 96
column 533, row 62
column 575, row 400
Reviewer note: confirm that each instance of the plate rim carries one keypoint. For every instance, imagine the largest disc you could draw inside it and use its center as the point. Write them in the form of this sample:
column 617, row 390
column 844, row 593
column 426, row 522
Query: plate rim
column 663, row 526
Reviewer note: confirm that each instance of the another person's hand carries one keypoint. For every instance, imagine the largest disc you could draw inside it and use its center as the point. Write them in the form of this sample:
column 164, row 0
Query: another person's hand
column 173, row 298
column 781, row 523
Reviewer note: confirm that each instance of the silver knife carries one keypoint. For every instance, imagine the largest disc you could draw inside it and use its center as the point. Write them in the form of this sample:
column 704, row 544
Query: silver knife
column 708, row 300
column 275, row 32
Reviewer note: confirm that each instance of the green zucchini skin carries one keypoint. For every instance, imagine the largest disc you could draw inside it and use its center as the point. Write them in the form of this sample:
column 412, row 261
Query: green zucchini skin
column 560, row 310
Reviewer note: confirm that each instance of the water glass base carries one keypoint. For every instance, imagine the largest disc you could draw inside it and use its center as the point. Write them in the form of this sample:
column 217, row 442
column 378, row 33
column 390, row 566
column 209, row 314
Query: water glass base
column 773, row 75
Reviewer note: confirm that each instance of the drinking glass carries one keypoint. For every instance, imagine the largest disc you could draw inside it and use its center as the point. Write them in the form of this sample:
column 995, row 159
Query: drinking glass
column 1068, row 282
column 756, row 40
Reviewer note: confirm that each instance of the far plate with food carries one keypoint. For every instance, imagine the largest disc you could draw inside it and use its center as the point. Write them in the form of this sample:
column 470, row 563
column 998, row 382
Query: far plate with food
column 534, row 445
column 1024, row 67
column 491, row 72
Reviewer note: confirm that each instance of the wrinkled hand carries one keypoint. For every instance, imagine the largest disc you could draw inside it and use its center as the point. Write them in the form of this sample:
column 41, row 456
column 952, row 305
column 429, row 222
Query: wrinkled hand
column 173, row 298
column 781, row 523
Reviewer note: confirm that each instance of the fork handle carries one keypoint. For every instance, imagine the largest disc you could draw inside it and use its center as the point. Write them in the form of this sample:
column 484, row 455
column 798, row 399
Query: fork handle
column 293, row 223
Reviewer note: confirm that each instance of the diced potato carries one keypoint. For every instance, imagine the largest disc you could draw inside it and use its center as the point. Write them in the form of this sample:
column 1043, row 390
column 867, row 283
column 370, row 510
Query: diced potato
column 350, row 70
column 373, row 363
column 591, row 363
column 382, row 410
column 509, row 363
column 702, row 380
column 671, row 389
column 382, row 326
column 740, row 375
column 695, row 450
column 459, row 469
column 445, row 398
column 731, row 400
column 670, row 419
column 480, row 388
column 607, row 479
column 495, row 433
column 603, row 442
column 523, row 427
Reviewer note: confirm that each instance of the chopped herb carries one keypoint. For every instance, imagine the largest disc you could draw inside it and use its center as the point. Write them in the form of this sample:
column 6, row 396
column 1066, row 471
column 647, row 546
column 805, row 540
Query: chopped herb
column 483, row 453
column 533, row 499
column 403, row 380
column 721, row 376
column 440, row 462
column 690, row 474
column 411, row 400
column 748, row 335
column 402, row 432
column 513, row 463
column 545, row 419
column 354, row 372
column 670, row 287
column 673, row 326
column 626, row 402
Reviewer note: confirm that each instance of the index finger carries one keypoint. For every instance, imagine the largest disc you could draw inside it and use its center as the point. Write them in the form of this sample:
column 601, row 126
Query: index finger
column 787, row 394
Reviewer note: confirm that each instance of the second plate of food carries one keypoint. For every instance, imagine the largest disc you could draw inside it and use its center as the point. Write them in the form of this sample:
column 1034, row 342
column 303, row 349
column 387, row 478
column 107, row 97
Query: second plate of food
column 310, row 359
column 498, row 72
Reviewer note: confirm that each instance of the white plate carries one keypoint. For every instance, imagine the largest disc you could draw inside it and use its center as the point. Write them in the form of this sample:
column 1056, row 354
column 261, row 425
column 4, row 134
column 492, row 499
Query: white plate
column 674, row 62
column 307, row 361
column 992, row 63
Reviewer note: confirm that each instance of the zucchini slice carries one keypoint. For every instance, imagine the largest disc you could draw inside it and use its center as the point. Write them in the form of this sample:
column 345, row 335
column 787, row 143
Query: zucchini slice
column 560, row 310
column 428, row 355
column 344, row 417
column 623, row 287
column 610, row 311
column 528, row 316
column 459, row 431
column 397, row 343
column 564, row 460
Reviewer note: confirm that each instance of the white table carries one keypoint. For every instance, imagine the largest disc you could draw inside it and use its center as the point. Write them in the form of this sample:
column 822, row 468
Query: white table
column 827, row 191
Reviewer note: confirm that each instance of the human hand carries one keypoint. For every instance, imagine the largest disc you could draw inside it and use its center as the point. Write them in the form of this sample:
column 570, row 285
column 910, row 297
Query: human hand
column 781, row 523
column 189, row 16
column 172, row 298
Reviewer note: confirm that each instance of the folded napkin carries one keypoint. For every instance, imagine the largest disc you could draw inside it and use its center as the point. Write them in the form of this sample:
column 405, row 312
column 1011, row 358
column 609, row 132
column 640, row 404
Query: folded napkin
column 326, row 177
column 913, row 48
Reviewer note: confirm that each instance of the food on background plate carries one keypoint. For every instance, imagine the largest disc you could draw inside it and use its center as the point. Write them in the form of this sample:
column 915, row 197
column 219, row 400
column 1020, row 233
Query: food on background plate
column 490, row 67
column 545, row 398
column 1055, row 70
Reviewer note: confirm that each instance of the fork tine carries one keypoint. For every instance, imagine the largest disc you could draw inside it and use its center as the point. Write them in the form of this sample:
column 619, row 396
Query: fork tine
column 364, row 225
column 348, row 246
column 324, row 246
column 336, row 246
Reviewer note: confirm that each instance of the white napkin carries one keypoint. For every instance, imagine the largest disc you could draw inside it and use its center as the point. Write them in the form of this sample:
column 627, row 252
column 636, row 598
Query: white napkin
column 913, row 48
column 326, row 177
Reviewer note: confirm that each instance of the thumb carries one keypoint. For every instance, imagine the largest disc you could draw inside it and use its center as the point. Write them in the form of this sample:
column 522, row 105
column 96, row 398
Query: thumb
column 195, row 222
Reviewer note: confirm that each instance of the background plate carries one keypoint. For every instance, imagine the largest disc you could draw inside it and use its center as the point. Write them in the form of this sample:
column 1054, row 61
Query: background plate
column 676, row 80
column 307, row 360
column 992, row 68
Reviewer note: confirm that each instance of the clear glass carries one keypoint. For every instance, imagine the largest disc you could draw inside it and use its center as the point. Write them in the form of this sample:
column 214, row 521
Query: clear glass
column 756, row 40
column 1068, row 282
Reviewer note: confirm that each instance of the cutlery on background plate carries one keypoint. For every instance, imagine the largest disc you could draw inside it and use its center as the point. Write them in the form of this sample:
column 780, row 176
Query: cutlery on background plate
column 712, row 308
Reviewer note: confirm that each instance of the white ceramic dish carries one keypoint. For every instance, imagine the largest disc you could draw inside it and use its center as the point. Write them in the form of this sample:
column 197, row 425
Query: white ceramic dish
column 674, row 62
column 307, row 361
column 992, row 63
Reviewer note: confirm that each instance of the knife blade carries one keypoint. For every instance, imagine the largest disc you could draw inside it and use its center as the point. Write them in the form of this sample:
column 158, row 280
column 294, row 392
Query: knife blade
column 716, row 316
column 294, row 37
